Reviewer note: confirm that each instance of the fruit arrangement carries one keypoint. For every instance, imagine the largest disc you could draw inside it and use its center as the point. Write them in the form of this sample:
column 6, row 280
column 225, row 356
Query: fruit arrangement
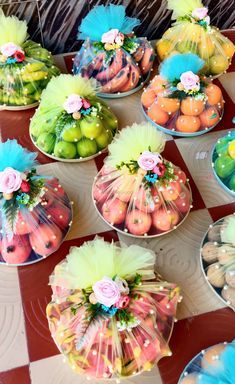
column 25, row 67
column 192, row 33
column 223, row 162
column 111, row 53
column 72, row 123
column 212, row 366
column 179, row 101
column 35, row 212
column 114, row 319
column 137, row 191
column 218, row 258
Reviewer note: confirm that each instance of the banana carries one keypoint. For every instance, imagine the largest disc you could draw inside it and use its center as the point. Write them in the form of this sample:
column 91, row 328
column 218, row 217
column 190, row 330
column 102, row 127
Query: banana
column 147, row 60
column 33, row 67
column 33, row 76
column 112, row 70
column 118, row 81
column 134, row 78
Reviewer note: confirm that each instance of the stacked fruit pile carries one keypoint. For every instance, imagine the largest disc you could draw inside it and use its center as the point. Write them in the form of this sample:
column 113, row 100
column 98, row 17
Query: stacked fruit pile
column 192, row 33
column 71, row 122
column 224, row 161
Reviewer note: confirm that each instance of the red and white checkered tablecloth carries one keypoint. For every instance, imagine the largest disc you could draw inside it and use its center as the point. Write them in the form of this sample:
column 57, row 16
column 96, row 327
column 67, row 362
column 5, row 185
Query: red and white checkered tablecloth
column 28, row 354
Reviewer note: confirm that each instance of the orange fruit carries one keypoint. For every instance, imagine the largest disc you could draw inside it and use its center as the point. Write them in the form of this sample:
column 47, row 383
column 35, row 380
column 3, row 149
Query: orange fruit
column 158, row 84
column 192, row 107
column 157, row 114
column 148, row 97
column 213, row 93
column 163, row 48
column 229, row 49
column 188, row 124
column 167, row 104
column 209, row 117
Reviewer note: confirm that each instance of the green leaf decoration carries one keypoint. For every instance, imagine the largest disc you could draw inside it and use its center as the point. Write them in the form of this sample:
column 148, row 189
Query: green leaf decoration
column 10, row 209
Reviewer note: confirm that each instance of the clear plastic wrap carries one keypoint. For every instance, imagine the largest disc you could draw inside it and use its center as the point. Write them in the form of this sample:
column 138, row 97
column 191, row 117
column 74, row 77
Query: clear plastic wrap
column 25, row 67
column 137, row 191
column 113, row 319
column 72, row 123
column 215, row 365
column 223, row 162
column 111, row 53
column 218, row 258
column 181, row 102
column 192, row 33
column 35, row 212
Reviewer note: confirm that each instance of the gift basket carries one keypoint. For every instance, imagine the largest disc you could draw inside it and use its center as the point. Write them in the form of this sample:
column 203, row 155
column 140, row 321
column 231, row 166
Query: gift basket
column 111, row 53
column 218, row 258
column 223, row 162
column 191, row 32
column 179, row 101
column 111, row 316
column 72, row 123
column 35, row 212
column 215, row 365
column 25, row 67
column 138, row 192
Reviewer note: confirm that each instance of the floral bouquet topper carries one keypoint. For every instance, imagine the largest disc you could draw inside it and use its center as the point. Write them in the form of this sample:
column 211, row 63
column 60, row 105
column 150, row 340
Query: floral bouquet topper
column 138, row 191
column 111, row 53
column 115, row 318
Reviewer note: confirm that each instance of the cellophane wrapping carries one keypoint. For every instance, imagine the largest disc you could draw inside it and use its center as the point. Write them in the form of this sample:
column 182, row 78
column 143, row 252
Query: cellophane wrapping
column 137, row 191
column 25, row 67
column 36, row 216
column 192, row 32
column 117, row 67
column 218, row 258
column 71, row 121
column 214, row 365
column 118, row 340
column 176, row 107
column 223, row 161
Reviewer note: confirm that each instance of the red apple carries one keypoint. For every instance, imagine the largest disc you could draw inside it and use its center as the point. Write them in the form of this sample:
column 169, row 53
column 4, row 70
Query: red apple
column 54, row 185
column 165, row 219
column 182, row 178
column 59, row 214
column 16, row 250
column 45, row 239
column 114, row 211
column 147, row 203
column 26, row 222
column 138, row 222
column 171, row 191
column 47, row 199
column 183, row 201
column 99, row 193
column 124, row 187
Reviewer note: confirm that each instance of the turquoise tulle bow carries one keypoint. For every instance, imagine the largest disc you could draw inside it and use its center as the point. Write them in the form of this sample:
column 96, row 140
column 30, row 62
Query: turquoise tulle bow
column 103, row 18
column 173, row 67
column 14, row 155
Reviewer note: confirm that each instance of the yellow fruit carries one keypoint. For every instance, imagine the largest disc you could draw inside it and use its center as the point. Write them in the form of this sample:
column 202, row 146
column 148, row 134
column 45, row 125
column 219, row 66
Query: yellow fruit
column 163, row 48
column 195, row 32
column 218, row 64
column 206, row 48
column 213, row 93
column 229, row 49
column 231, row 149
column 192, row 107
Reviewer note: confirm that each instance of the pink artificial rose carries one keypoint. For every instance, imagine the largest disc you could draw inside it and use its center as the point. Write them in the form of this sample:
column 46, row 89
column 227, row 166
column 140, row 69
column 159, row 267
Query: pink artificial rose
column 119, row 39
column 10, row 180
column 148, row 160
column 189, row 80
column 123, row 302
column 86, row 103
column 73, row 103
column 9, row 49
column 110, row 36
column 106, row 291
column 200, row 13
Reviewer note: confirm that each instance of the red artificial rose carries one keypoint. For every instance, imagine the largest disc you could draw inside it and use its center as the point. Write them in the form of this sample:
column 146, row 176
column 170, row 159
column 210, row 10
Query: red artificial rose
column 19, row 56
column 160, row 169
column 25, row 187
column 86, row 103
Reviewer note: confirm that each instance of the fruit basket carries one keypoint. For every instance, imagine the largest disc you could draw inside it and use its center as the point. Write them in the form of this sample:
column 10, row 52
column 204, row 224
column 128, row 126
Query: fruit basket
column 138, row 192
column 72, row 124
column 191, row 32
column 114, row 319
column 223, row 162
column 211, row 366
column 35, row 212
column 179, row 101
column 111, row 53
column 25, row 67
column 218, row 259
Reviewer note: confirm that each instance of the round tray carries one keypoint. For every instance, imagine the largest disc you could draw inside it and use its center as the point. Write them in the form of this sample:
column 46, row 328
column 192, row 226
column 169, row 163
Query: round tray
column 35, row 258
column 213, row 158
column 17, row 108
column 177, row 133
column 142, row 236
column 204, row 266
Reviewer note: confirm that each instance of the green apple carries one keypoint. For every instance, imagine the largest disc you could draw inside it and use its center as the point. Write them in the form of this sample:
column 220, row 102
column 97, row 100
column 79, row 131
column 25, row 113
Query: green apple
column 72, row 133
column 65, row 150
column 91, row 127
column 232, row 182
column 86, row 147
column 222, row 145
column 46, row 142
column 224, row 166
column 104, row 139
